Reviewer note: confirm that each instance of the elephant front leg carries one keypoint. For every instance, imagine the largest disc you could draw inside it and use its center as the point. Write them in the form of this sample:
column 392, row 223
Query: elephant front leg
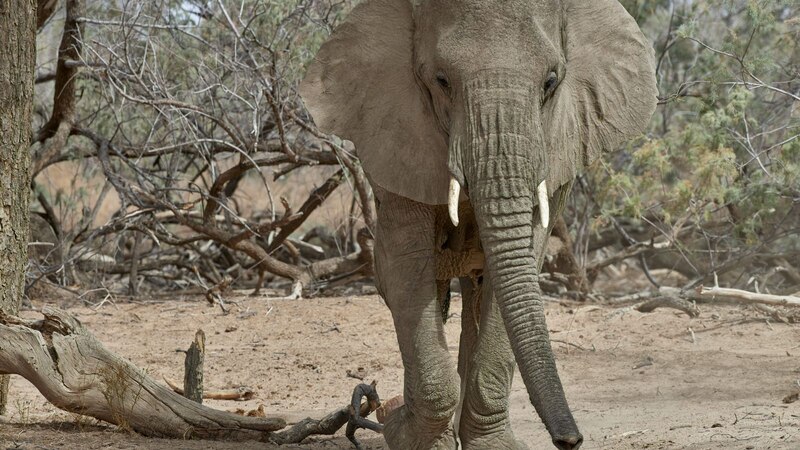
column 406, row 272
column 470, row 302
column 489, row 369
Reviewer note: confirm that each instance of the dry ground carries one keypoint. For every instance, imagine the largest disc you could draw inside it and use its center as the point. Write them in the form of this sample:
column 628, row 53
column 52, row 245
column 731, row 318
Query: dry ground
column 634, row 380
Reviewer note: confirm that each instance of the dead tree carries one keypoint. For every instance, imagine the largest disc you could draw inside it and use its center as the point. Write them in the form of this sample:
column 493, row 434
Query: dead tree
column 181, row 115
column 73, row 370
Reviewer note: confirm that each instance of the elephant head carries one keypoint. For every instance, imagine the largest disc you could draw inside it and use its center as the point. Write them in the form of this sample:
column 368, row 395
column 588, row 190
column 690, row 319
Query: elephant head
column 506, row 99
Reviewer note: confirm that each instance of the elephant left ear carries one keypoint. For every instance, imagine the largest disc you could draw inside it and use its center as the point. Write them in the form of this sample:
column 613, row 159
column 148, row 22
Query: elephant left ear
column 608, row 93
column 362, row 87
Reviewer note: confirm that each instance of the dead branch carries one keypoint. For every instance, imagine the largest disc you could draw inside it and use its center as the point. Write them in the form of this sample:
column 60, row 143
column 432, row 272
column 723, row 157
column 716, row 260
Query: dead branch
column 362, row 187
column 232, row 174
column 73, row 370
column 249, row 247
column 632, row 298
column 58, row 128
column 242, row 241
column 668, row 302
column 240, row 393
column 631, row 251
column 331, row 423
column 327, row 425
column 671, row 297
column 367, row 206
column 738, row 295
column 663, row 297
column 317, row 197
column 357, row 262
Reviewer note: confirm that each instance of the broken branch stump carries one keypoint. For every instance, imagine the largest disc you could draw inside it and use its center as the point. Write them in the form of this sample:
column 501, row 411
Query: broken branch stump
column 193, row 368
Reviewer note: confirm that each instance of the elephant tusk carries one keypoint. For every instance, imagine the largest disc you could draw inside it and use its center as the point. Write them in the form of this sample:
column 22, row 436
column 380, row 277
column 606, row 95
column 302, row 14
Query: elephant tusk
column 452, row 200
column 544, row 205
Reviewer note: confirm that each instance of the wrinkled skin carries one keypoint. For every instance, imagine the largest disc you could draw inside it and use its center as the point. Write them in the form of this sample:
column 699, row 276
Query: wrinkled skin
column 499, row 96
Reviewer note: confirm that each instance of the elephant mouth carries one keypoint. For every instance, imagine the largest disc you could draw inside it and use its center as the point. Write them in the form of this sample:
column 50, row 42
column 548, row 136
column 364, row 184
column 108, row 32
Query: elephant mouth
column 542, row 196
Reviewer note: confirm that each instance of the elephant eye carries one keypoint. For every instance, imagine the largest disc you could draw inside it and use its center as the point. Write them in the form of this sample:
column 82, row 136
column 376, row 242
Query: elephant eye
column 441, row 79
column 550, row 83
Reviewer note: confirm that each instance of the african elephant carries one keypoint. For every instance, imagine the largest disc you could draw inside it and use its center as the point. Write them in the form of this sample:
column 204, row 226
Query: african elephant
column 471, row 119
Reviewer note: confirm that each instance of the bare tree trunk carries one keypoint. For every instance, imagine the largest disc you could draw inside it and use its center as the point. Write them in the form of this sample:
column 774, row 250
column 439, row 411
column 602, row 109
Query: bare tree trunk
column 17, row 61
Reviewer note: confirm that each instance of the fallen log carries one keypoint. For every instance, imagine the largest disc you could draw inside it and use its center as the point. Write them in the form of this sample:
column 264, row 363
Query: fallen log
column 73, row 370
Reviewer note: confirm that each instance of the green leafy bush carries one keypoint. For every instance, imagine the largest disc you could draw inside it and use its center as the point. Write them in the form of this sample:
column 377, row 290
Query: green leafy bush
column 718, row 172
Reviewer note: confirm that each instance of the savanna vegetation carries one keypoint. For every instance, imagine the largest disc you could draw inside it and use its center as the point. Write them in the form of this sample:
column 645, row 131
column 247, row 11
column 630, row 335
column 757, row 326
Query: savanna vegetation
column 171, row 151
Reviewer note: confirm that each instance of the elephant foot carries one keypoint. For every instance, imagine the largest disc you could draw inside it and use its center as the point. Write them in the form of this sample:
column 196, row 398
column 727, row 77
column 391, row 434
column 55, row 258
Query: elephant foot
column 404, row 431
column 503, row 440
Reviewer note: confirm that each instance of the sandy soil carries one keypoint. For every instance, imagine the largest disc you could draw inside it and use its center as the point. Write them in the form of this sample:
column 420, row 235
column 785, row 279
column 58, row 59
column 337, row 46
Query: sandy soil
column 634, row 380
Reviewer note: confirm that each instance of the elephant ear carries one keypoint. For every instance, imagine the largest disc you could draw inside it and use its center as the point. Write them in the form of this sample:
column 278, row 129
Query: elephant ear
column 608, row 93
column 362, row 87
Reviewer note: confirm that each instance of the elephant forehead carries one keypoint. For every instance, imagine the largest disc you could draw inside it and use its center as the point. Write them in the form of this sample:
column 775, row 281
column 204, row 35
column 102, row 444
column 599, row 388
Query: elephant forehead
column 502, row 33
column 491, row 8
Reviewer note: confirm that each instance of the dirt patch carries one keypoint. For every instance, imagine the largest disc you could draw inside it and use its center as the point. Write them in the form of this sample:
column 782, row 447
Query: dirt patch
column 633, row 380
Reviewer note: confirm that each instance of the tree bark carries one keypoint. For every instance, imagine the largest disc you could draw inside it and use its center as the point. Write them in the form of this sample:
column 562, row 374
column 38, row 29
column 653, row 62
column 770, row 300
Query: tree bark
column 17, row 62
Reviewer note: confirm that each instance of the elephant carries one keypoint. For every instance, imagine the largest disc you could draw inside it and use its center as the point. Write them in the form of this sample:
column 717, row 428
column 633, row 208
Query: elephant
column 471, row 119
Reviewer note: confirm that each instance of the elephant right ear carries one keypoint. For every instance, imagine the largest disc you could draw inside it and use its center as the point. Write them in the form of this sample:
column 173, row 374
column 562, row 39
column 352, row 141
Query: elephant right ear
column 362, row 87
column 609, row 93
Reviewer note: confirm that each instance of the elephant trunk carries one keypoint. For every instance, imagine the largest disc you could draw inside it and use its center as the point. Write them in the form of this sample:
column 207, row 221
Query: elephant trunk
column 502, row 162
